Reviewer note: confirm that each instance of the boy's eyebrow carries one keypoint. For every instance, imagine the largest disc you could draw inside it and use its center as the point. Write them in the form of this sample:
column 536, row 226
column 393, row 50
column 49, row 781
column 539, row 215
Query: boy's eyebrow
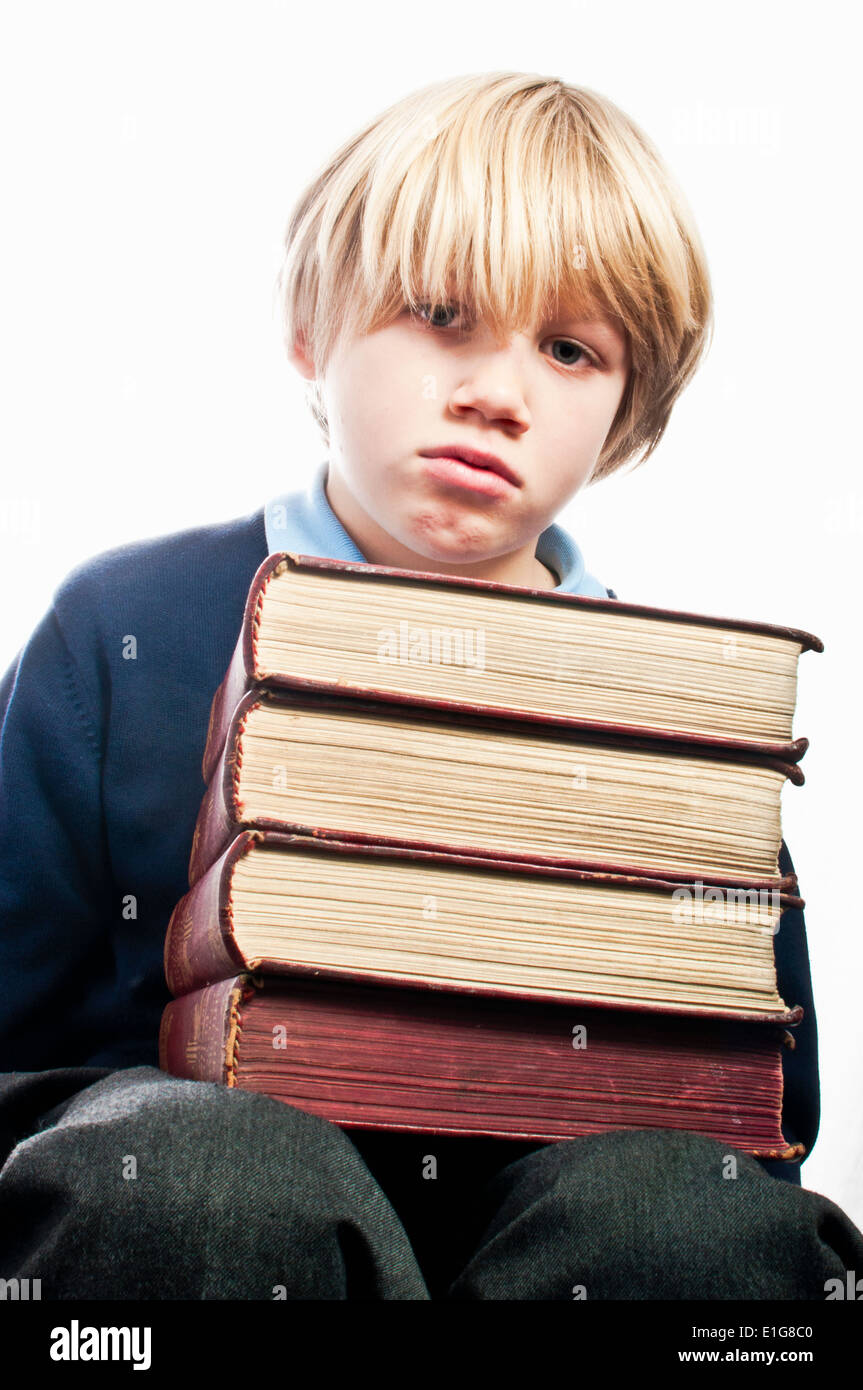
column 609, row 333
column 588, row 316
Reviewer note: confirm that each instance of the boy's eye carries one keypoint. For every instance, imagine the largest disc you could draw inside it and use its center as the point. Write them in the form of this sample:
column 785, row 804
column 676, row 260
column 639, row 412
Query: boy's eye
column 576, row 355
column 441, row 316
column 430, row 313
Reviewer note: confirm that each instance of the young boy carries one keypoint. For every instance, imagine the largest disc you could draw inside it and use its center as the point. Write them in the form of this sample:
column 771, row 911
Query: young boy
column 497, row 296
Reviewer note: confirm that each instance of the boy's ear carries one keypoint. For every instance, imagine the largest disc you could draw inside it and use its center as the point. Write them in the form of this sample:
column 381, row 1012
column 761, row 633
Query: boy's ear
column 298, row 356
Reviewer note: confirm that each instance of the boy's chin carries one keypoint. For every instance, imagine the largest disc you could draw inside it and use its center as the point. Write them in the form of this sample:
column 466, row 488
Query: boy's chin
column 434, row 542
column 456, row 558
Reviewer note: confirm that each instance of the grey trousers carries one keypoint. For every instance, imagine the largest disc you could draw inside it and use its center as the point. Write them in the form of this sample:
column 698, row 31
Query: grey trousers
column 132, row 1184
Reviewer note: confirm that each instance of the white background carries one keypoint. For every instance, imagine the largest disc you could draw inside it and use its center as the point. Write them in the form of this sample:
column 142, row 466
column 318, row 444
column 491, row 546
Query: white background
column 151, row 154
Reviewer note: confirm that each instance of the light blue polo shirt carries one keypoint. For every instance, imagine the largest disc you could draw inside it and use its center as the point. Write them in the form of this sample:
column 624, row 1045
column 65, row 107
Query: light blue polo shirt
column 304, row 522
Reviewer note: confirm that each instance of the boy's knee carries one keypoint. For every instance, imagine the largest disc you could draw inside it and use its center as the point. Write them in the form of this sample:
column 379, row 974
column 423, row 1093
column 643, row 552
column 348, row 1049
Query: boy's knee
column 650, row 1214
column 190, row 1146
column 191, row 1185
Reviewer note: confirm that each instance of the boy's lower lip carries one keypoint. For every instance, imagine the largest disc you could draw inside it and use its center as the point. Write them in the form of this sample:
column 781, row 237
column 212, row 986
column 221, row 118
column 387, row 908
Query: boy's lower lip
column 465, row 475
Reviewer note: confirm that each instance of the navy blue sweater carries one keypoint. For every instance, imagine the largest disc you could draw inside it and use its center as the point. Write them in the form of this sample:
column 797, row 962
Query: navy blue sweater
column 100, row 786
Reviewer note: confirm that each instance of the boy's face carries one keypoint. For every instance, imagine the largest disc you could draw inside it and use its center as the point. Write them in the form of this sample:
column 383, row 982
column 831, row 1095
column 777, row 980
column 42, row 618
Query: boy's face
column 542, row 402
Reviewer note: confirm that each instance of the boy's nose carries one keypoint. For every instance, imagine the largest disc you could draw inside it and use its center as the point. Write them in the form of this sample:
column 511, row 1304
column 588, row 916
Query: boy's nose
column 492, row 381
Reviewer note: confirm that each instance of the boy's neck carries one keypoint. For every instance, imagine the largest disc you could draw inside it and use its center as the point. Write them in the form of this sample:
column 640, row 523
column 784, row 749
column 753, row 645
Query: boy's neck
column 520, row 567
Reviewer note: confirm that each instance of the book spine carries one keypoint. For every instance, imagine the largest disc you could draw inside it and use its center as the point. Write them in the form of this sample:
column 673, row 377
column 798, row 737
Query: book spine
column 197, row 1035
column 243, row 668
column 199, row 944
column 225, row 701
column 219, row 814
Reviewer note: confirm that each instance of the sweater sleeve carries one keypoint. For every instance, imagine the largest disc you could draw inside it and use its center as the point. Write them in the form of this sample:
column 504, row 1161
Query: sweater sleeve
column 801, row 1112
column 55, row 885
column 801, row 1086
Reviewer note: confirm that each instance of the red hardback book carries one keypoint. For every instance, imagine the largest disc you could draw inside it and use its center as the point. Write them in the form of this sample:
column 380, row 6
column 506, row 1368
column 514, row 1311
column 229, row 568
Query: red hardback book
column 440, row 1063
column 223, row 811
column 247, row 668
column 499, row 928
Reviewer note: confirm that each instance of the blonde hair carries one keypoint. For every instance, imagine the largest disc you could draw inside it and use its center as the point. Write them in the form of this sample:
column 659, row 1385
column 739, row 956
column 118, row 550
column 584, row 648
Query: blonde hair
column 506, row 192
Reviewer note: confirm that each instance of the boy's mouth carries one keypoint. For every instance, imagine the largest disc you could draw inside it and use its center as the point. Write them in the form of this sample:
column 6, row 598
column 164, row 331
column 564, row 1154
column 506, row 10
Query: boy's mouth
column 475, row 458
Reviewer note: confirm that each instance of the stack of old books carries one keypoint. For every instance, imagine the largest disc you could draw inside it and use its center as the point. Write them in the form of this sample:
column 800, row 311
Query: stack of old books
column 482, row 860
